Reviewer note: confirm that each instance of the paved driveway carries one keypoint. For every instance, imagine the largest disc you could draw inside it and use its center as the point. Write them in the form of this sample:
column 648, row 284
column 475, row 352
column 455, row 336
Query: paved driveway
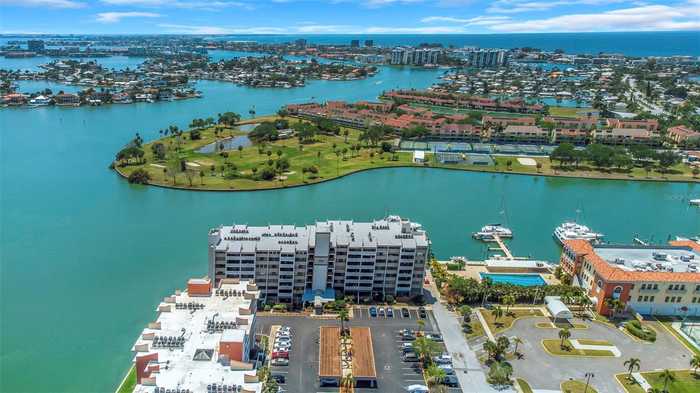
column 545, row 371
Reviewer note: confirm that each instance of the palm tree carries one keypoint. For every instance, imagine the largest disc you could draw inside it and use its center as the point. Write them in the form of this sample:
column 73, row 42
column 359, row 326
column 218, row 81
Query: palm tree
column 564, row 334
column 517, row 341
column 667, row 377
column 497, row 313
column 632, row 364
column 695, row 363
column 508, row 301
column 491, row 349
column 434, row 375
column 343, row 317
column 425, row 349
column 421, row 324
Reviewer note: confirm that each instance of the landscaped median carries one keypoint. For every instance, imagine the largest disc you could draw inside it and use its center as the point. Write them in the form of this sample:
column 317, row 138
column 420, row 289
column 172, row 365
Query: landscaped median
column 682, row 381
column 574, row 386
column 498, row 322
column 562, row 325
column 567, row 348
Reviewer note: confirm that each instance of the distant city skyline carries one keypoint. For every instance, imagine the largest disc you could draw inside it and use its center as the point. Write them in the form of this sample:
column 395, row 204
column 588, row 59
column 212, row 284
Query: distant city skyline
column 344, row 16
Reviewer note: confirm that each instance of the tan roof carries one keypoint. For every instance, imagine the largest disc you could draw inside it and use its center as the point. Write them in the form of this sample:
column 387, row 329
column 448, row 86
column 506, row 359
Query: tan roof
column 329, row 355
column 363, row 353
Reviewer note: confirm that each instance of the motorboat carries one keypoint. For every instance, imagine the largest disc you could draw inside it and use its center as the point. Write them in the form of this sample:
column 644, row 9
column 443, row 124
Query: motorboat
column 572, row 230
column 489, row 232
column 694, row 202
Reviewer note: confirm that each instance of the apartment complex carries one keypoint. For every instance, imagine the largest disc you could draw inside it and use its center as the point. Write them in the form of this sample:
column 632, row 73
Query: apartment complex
column 200, row 341
column 292, row 264
column 413, row 56
column 650, row 280
column 486, row 58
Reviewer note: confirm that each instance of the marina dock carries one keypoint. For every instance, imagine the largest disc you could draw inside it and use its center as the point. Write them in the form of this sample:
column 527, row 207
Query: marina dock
column 502, row 247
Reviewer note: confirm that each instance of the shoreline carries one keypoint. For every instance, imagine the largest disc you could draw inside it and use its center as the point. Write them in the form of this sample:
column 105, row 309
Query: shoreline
column 499, row 172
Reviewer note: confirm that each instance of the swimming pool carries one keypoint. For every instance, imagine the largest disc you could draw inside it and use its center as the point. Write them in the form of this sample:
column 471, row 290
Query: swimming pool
column 523, row 280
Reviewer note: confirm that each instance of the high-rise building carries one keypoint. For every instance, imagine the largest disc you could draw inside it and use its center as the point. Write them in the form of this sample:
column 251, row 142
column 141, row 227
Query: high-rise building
column 412, row 56
column 300, row 43
column 293, row 264
column 369, row 43
column 355, row 43
column 484, row 58
column 36, row 46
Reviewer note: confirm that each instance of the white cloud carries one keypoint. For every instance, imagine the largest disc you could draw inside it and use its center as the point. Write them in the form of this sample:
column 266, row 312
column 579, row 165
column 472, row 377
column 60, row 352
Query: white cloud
column 204, row 29
column 113, row 17
column 186, row 4
column 477, row 21
column 45, row 3
column 518, row 6
column 645, row 18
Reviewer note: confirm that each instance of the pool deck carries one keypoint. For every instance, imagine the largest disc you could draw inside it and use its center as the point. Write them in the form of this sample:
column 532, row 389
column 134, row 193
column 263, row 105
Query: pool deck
column 474, row 271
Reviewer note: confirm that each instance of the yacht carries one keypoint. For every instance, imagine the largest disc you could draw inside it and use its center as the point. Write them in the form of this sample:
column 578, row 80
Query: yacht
column 487, row 232
column 572, row 230
column 694, row 202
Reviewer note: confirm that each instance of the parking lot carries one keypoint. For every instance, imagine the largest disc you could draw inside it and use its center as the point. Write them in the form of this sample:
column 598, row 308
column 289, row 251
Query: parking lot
column 393, row 375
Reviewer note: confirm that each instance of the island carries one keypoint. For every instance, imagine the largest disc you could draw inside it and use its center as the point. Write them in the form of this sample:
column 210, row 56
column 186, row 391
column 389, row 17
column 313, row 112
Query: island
column 311, row 143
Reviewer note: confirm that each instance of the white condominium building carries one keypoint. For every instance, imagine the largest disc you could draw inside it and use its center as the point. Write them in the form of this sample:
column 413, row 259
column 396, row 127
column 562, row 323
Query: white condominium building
column 291, row 264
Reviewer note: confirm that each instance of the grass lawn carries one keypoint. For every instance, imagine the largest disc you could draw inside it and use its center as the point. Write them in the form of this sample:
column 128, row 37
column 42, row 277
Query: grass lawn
column 506, row 321
column 685, row 382
column 562, row 325
column 235, row 170
column 584, row 341
column 477, row 329
column 129, row 382
column 524, row 386
column 576, row 387
column 553, row 347
column 567, row 111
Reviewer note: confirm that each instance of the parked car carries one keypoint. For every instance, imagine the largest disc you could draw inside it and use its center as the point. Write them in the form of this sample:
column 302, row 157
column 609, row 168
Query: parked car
column 373, row 311
column 434, row 336
column 280, row 362
column 279, row 378
column 421, row 312
column 381, row 311
column 409, row 357
column 447, row 368
column 443, row 359
column 329, row 382
column 451, row 381
column 389, row 312
column 405, row 313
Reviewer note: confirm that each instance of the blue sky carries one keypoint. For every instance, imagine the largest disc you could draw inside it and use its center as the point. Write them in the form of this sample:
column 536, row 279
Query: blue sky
column 344, row 16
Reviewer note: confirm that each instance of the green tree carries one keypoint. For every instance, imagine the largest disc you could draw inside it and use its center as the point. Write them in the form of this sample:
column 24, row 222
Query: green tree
column 667, row 376
column 426, row 349
column 434, row 375
column 564, row 334
column 517, row 341
column 497, row 313
column 508, row 300
column 695, row 363
column 632, row 364
column 342, row 317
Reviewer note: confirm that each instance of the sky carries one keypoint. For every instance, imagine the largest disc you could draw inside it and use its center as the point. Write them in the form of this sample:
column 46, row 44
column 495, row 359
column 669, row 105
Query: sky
column 344, row 16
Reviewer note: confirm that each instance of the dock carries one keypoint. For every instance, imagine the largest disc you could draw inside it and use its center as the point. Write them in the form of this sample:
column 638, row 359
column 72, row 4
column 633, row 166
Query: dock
column 502, row 246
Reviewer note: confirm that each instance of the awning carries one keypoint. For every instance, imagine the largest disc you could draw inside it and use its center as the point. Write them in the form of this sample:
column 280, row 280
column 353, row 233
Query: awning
column 325, row 296
column 557, row 308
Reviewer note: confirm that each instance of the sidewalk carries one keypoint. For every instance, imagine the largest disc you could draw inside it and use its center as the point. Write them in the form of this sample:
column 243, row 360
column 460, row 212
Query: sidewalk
column 471, row 376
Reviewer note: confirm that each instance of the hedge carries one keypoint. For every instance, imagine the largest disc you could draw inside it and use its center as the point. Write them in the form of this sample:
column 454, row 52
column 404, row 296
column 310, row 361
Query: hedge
column 636, row 329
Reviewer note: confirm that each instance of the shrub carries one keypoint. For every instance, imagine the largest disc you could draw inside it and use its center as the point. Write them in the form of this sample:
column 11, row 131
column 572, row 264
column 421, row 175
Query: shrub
column 279, row 307
column 499, row 373
column 390, row 299
column 139, row 176
column 636, row 329
column 267, row 173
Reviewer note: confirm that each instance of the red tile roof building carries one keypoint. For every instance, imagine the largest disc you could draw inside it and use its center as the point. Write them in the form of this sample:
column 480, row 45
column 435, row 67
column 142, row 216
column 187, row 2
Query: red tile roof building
column 661, row 280
column 680, row 134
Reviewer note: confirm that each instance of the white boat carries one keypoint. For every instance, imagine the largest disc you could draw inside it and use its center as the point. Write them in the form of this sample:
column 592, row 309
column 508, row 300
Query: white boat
column 572, row 230
column 487, row 232
column 695, row 202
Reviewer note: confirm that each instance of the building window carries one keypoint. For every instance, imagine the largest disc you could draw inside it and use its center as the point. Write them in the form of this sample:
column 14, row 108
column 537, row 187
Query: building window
column 651, row 299
column 639, row 299
column 666, row 300
column 617, row 292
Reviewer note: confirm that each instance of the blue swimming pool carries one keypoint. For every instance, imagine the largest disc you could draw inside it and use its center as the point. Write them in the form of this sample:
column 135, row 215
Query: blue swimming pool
column 523, row 280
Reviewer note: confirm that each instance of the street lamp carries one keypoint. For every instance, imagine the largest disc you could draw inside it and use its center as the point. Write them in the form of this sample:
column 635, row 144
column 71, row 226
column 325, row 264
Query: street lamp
column 588, row 380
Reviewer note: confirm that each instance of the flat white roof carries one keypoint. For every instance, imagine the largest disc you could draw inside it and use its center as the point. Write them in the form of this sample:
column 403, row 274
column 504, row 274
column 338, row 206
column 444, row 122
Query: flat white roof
column 178, row 367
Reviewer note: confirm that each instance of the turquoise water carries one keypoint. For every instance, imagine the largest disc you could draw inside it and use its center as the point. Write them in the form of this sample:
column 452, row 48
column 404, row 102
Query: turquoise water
column 85, row 257
column 33, row 63
column 523, row 280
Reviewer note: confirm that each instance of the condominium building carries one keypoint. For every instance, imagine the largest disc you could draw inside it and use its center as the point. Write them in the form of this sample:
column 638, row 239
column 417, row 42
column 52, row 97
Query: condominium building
column 200, row 340
column 483, row 58
column 413, row 56
column 292, row 264
column 650, row 280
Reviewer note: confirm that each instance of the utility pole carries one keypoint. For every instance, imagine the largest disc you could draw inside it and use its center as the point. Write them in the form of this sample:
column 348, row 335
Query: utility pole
column 588, row 380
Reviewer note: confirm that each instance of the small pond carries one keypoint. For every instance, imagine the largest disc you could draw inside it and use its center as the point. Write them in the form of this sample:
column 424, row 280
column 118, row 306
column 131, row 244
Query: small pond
column 227, row 144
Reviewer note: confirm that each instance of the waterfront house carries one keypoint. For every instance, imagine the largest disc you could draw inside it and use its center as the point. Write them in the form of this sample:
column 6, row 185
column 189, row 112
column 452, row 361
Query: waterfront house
column 14, row 99
column 573, row 130
column 521, row 134
column 624, row 136
column 66, row 99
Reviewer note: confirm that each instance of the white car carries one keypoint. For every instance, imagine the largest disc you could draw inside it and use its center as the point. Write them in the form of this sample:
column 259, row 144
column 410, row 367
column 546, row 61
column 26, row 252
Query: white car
column 443, row 359
column 417, row 389
column 279, row 362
